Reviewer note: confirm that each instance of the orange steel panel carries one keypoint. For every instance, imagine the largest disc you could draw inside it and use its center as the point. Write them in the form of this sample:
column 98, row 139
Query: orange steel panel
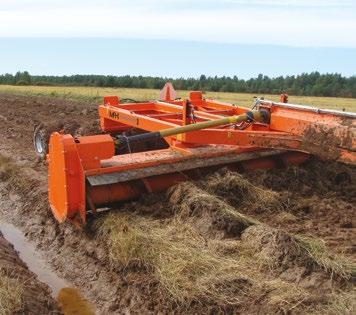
column 166, row 156
column 297, row 121
column 225, row 106
column 169, row 108
column 93, row 149
column 321, row 129
column 264, row 139
column 132, row 119
column 111, row 100
column 67, row 159
column 66, row 188
column 137, row 106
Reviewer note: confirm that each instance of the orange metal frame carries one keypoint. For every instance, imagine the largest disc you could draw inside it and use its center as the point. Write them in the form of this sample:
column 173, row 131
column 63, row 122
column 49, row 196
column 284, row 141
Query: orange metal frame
column 288, row 127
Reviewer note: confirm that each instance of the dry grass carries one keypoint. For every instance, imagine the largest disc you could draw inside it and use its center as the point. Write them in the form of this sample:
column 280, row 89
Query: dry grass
column 207, row 211
column 180, row 258
column 11, row 291
column 242, row 193
column 339, row 303
column 279, row 250
column 274, row 248
column 190, row 267
column 335, row 264
column 285, row 217
column 287, row 296
column 192, row 264
column 242, row 99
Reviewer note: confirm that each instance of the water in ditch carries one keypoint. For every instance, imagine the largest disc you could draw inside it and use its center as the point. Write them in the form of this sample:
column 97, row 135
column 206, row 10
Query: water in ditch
column 69, row 299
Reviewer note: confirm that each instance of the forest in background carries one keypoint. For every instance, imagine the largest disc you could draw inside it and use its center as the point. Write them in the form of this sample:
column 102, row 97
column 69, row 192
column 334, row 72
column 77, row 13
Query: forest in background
column 308, row 84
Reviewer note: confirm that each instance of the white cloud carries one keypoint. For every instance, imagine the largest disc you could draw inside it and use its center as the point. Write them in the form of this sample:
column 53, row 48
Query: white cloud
column 290, row 22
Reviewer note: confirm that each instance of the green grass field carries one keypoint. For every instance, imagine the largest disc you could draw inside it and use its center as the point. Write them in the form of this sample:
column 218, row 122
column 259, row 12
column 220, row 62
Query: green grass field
column 243, row 99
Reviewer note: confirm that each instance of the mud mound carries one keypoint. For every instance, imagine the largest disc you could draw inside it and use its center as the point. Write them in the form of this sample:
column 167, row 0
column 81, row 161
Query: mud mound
column 276, row 247
column 280, row 251
column 319, row 199
column 20, row 291
column 312, row 178
column 208, row 211
column 241, row 193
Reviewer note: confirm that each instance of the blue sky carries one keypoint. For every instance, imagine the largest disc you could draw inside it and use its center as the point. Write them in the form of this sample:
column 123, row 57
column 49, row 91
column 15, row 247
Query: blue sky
column 178, row 37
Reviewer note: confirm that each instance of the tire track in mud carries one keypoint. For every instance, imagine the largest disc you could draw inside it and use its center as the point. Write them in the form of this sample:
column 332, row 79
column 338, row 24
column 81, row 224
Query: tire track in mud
column 83, row 259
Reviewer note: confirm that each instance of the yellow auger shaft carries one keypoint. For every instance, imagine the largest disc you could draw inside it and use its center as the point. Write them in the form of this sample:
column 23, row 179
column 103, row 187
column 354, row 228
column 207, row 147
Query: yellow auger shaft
column 252, row 115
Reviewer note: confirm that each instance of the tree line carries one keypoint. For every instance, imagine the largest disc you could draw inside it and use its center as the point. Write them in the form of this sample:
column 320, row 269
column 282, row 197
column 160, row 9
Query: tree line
column 309, row 84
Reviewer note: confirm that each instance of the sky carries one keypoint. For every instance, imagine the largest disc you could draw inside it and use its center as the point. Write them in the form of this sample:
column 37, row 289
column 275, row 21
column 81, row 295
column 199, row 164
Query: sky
column 178, row 37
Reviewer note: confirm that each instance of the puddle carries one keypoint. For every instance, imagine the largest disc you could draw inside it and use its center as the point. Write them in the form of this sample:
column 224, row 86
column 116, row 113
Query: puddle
column 27, row 252
column 69, row 299
column 71, row 302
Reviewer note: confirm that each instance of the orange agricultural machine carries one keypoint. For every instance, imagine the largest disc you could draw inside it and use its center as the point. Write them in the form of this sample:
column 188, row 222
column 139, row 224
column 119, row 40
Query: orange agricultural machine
column 176, row 139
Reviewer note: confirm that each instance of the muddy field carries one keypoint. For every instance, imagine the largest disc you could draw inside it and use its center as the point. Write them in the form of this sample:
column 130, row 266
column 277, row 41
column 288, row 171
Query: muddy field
column 281, row 241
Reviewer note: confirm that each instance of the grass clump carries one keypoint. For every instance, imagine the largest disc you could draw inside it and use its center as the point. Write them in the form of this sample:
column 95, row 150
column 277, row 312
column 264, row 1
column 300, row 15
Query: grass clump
column 190, row 264
column 11, row 292
column 287, row 297
column 179, row 258
column 191, row 268
column 318, row 251
column 338, row 303
column 279, row 250
column 242, row 193
column 274, row 248
column 189, row 201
